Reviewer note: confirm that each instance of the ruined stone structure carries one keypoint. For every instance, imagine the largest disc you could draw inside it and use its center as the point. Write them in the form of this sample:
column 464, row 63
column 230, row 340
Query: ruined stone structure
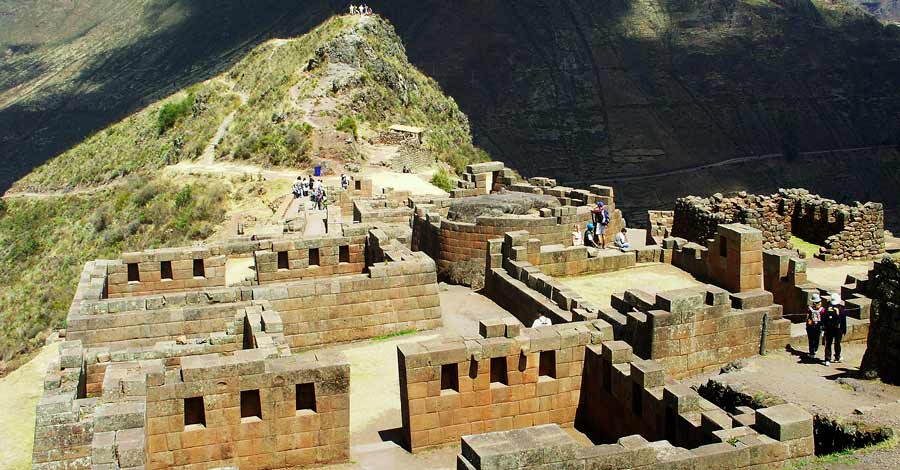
column 506, row 379
column 449, row 242
column 688, row 331
column 660, row 226
column 205, row 357
column 883, row 287
column 844, row 232
column 625, row 401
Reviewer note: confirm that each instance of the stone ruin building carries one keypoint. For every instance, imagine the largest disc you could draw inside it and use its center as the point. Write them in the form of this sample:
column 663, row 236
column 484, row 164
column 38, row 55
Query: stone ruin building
column 211, row 356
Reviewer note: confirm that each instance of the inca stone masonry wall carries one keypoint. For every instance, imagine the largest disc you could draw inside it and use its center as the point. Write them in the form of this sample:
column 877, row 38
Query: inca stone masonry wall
column 649, row 424
column 883, row 286
column 844, row 232
column 508, row 378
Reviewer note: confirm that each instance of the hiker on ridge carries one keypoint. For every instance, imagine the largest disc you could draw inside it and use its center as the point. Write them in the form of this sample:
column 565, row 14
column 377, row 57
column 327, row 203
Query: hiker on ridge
column 834, row 324
column 814, row 314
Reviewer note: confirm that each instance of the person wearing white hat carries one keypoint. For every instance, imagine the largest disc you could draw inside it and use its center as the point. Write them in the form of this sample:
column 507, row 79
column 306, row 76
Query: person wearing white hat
column 813, row 323
column 834, row 324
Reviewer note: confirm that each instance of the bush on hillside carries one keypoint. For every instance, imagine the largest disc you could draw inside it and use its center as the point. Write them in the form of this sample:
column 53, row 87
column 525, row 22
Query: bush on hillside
column 171, row 113
column 349, row 125
column 442, row 180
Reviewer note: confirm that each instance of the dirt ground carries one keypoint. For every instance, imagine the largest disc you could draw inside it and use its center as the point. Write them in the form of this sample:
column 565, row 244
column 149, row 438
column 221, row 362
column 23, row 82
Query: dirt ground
column 832, row 390
column 655, row 278
column 832, row 274
column 21, row 390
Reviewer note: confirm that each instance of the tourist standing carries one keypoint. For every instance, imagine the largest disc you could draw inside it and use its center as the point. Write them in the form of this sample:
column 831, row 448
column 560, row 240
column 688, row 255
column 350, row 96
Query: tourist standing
column 297, row 188
column 814, row 314
column 600, row 218
column 834, row 325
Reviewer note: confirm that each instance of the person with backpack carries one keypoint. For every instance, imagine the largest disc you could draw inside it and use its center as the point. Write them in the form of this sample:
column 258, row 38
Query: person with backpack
column 589, row 237
column 814, row 314
column 834, row 325
column 297, row 188
column 600, row 218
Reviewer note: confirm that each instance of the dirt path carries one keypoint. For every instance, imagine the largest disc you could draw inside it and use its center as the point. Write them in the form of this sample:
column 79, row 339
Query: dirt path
column 738, row 160
column 22, row 389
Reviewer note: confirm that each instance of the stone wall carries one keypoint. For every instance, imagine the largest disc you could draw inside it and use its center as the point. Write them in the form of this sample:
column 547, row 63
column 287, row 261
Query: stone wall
column 288, row 260
column 141, row 273
column 448, row 388
column 648, row 423
column 883, row 287
column 282, row 432
column 395, row 295
column 382, row 211
column 844, row 232
column 660, row 226
column 732, row 260
column 695, row 330
column 448, row 242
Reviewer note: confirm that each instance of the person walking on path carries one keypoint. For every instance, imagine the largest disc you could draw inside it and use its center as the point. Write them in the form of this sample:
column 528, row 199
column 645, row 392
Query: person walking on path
column 600, row 218
column 834, row 324
column 814, row 323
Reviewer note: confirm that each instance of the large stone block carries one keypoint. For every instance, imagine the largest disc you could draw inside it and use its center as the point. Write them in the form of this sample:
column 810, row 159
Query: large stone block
column 784, row 422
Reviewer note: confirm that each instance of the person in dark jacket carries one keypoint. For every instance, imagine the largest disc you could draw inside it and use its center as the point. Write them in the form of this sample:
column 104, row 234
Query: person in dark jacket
column 834, row 325
column 814, row 314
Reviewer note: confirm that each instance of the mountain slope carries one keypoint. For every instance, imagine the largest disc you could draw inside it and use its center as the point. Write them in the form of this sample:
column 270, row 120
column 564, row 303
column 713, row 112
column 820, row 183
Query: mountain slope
column 602, row 91
column 320, row 97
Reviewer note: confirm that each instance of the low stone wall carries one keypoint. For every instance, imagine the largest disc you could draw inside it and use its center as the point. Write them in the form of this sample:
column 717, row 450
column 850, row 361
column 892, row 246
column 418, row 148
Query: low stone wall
column 288, row 431
column 660, row 226
column 844, row 232
column 732, row 260
column 396, row 295
column 454, row 387
column 388, row 211
column 288, row 260
column 649, row 424
column 188, row 268
column 883, row 287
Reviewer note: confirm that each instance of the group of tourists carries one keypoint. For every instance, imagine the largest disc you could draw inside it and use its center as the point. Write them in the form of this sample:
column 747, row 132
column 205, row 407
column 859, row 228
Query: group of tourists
column 311, row 188
column 831, row 321
column 595, row 235
column 361, row 10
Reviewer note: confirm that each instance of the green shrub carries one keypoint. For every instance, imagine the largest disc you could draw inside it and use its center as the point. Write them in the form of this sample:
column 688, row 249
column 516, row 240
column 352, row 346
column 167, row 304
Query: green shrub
column 349, row 125
column 442, row 180
column 171, row 113
column 184, row 197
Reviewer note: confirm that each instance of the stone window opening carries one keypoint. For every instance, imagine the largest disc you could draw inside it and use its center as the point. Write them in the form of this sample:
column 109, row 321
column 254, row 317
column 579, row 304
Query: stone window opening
column 306, row 398
column 344, row 256
column 283, row 261
column 165, row 270
column 637, row 399
column 547, row 365
column 134, row 273
column 498, row 371
column 723, row 247
column 194, row 412
column 314, row 257
column 251, row 406
column 199, row 268
column 449, row 378
column 358, row 185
